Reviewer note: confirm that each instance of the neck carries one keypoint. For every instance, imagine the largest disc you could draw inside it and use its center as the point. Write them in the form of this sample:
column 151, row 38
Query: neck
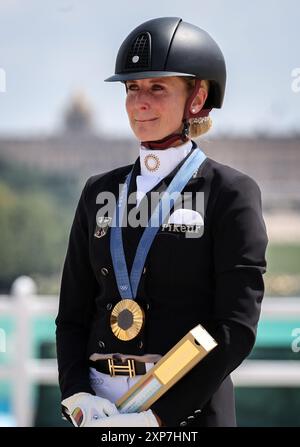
column 165, row 143
column 172, row 140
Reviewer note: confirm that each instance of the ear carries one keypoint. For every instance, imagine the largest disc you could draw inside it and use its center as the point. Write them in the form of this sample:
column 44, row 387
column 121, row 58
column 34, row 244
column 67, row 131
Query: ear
column 198, row 101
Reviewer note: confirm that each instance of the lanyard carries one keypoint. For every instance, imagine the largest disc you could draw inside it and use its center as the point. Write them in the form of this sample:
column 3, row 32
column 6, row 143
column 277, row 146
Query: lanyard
column 128, row 287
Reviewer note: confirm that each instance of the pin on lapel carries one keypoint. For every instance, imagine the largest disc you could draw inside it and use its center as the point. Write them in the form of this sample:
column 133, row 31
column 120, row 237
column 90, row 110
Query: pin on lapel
column 102, row 226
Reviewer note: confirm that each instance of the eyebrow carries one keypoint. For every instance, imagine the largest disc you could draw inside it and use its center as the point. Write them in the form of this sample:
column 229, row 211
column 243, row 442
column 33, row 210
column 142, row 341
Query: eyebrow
column 152, row 81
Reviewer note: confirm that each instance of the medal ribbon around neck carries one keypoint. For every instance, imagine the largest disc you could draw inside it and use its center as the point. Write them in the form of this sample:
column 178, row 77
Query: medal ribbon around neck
column 127, row 317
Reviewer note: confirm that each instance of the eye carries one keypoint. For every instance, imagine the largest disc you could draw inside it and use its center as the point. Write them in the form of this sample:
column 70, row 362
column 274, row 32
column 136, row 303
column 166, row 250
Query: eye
column 132, row 87
column 157, row 87
column 154, row 87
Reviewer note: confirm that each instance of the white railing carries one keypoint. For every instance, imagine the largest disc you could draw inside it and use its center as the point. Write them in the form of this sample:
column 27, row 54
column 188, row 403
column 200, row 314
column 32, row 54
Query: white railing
column 23, row 370
column 23, row 305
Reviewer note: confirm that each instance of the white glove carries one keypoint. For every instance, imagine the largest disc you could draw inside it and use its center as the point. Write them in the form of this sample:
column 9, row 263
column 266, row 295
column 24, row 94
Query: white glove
column 142, row 419
column 84, row 408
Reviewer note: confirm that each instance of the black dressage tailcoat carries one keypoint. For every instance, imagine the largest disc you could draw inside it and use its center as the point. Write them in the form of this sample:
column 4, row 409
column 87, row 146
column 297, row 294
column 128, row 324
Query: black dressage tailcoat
column 215, row 280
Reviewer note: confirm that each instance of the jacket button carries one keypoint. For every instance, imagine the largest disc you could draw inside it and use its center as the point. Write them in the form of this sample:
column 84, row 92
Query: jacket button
column 183, row 423
column 144, row 270
column 104, row 271
column 140, row 344
column 147, row 306
column 197, row 411
column 108, row 306
column 101, row 344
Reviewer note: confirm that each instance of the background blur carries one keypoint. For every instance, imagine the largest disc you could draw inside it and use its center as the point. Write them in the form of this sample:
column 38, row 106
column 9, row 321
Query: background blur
column 60, row 123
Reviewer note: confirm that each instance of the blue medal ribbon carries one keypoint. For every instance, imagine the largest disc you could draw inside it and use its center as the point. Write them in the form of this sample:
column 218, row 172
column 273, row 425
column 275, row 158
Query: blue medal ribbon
column 128, row 287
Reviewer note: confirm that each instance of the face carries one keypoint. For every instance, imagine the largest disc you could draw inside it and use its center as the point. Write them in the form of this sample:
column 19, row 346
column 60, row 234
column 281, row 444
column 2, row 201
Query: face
column 155, row 106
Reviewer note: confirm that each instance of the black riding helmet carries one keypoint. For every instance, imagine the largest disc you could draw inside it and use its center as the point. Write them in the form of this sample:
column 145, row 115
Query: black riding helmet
column 167, row 46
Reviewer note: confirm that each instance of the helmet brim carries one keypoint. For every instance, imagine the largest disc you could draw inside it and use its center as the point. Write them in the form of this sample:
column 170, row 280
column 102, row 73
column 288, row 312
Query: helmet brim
column 144, row 75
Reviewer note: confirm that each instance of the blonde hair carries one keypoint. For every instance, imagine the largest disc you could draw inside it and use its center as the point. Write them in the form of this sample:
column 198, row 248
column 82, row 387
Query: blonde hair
column 196, row 128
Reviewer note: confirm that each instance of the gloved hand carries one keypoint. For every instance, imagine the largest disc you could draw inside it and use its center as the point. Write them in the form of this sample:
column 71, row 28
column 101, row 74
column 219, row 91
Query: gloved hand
column 84, row 408
column 142, row 419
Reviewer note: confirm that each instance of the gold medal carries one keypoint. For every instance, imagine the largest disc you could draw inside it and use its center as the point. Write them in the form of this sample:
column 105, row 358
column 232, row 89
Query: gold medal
column 127, row 319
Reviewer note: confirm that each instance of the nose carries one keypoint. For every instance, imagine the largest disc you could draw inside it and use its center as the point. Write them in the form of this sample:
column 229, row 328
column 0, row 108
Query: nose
column 142, row 100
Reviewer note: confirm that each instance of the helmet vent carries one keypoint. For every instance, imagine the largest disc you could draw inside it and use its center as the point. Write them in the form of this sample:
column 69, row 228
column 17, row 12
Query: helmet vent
column 139, row 53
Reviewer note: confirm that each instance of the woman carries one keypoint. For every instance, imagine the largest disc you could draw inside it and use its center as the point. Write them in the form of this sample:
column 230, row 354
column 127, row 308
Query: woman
column 120, row 306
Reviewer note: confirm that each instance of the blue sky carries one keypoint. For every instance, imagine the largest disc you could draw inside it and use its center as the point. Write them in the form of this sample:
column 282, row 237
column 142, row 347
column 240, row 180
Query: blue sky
column 51, row 49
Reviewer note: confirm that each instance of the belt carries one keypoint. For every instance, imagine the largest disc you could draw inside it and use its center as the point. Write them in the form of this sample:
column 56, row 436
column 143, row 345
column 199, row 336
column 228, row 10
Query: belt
column 117, row 367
